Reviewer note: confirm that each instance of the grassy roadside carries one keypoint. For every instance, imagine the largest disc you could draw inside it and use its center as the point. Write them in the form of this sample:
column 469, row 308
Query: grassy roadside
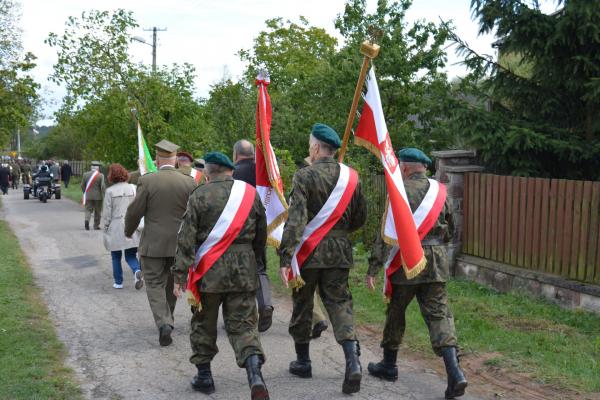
column 554, row 346
column 73, row 192
column 31, row 356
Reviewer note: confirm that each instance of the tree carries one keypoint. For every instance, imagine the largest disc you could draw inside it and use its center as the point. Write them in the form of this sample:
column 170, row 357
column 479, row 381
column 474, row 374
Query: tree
column 103, row 85
column 538, row 113
column 18, row 90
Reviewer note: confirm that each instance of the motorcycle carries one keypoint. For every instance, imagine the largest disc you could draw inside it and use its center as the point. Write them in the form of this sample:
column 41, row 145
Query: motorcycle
column 43, row 188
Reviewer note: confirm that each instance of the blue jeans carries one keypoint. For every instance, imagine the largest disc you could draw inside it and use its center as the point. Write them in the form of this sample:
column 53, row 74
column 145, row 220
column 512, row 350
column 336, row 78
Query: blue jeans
column 130, row 257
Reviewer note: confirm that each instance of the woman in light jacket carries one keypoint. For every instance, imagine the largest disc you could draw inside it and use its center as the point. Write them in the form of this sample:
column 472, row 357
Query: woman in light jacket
column 116, row 200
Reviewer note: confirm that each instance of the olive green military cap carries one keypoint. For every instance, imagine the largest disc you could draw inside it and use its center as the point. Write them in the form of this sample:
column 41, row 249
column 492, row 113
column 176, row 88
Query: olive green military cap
column 327, row 135
column 199, row 163
column 218, row 158
column 410, row 154
column 164, row 148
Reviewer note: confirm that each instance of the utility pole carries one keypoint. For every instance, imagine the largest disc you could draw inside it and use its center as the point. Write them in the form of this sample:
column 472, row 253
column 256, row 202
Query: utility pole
column 154, row 31
column 18, row 143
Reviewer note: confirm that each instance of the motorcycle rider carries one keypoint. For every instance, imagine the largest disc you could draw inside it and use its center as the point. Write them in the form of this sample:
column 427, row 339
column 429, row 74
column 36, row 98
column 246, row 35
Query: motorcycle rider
column 42, row 173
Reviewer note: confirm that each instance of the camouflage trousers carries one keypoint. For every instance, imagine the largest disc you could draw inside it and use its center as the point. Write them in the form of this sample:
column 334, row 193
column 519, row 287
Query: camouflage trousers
column 239, row 313
column 433, row 302
column 336, row 297
column 95, row 207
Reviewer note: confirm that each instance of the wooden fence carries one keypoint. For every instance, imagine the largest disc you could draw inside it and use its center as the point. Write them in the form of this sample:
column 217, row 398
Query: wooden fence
column 547, row 225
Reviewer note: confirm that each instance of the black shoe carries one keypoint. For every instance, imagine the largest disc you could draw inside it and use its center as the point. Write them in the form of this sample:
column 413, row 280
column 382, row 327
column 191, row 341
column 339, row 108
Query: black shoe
column 87, row 225
column 203, row 381
column 319, row 328
column 96, row 228
column 457, row 383
column 258, row 388
column 353, row 369
column 265, row 319
column 164, row 335
column 301, row 366
column 387, row 368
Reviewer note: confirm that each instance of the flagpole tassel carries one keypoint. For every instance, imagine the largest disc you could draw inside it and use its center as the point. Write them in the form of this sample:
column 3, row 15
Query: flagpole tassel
column 192, row 301
column 297, row 283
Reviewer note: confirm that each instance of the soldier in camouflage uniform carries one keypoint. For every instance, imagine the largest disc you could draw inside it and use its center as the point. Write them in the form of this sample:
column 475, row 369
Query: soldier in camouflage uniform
column 16, row 174
column 26, row 171
column 329, row 265
column 232, row 280
column 429, row 287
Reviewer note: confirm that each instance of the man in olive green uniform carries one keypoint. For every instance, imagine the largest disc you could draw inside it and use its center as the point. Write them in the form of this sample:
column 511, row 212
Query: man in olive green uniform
column 184, row 162
column 16, row 174
column 329, row 264
column 161, row 200
column 134, row 176
column 26, row 171
column 429, row 287
column 231, row 281
column 93, row 196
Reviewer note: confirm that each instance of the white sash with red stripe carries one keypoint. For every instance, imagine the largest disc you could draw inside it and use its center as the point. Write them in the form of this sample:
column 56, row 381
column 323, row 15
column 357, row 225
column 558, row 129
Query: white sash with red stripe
column 226, row 230
column 89, row 184
column 326, row 218
column 425, row 217
column 197, row 175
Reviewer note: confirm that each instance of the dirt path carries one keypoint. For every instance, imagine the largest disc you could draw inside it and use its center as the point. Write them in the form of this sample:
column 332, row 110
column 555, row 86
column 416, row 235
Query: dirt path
column 113, row 343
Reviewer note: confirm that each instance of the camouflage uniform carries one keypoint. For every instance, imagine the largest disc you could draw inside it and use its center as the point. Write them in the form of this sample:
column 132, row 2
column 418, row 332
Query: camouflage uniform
column 231, row 281
column 429, row 287
column 328, row 266
column 16, row 174
column 26, row 171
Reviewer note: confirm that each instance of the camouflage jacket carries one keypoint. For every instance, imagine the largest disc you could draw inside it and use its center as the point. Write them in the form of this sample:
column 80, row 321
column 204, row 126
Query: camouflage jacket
column 437, row 269
column 311, row 188
column 235, row 270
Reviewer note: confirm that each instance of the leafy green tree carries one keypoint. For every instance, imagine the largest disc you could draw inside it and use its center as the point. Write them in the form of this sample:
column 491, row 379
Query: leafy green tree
column 103, row 85
column 18, row 90
column 538, row 113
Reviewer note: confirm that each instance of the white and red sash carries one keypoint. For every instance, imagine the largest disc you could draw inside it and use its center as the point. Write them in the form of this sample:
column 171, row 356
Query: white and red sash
column 89, row 184
column 226, row 230
column 197, row 175
column 326, row 218
column 425, row 217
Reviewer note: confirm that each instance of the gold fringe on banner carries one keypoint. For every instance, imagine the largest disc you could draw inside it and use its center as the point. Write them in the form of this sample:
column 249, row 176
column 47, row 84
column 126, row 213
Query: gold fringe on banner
column 192, row 300
column 416, row 270
column 297, row 283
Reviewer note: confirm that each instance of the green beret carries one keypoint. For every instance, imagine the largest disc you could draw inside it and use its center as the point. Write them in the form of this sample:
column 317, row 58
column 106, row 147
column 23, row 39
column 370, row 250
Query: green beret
column 327, row 135
column 410, row 154
column 218, row 158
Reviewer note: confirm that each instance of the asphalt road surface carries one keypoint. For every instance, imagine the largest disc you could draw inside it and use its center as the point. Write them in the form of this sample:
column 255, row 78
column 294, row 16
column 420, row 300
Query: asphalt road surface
column 113, row 344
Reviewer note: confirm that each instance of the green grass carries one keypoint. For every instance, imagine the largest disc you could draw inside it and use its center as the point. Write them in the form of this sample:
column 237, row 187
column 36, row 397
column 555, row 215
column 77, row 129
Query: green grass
column 553, row 345
column 31, row 356
column 73, row 192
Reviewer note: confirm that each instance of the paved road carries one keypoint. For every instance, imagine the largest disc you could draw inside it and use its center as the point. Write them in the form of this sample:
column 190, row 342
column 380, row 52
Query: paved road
column 113, row 343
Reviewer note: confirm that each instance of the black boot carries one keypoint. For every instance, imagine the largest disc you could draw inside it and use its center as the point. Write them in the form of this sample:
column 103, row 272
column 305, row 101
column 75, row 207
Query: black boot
column 387, row 368
column 457, row 382
column 353, row 369
column 87, row 225
column 301, row 367
column 203, row 380
column 258, row 388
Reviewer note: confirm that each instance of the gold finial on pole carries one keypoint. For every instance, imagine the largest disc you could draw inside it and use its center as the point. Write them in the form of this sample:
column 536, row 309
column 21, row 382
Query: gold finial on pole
column 370, row 51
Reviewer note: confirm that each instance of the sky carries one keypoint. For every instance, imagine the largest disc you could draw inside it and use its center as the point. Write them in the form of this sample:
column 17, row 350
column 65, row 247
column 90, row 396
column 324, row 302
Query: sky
column 208, row 34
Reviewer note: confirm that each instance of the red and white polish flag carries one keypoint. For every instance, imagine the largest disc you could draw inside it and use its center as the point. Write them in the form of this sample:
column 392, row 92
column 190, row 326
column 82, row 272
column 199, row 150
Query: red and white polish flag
column 268, row 180
column 399, row 226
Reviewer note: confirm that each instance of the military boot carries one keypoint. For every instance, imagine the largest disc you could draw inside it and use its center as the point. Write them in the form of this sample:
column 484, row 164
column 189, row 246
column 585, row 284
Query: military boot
column 301, row 367
column 203, row 380
column 87, row 225
column 258, row 388
column 457, row 382
column 387, row 368
column 353, row 369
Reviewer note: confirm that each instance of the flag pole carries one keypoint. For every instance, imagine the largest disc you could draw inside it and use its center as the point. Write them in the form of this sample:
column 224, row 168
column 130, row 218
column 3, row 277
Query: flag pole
column 370, row 51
